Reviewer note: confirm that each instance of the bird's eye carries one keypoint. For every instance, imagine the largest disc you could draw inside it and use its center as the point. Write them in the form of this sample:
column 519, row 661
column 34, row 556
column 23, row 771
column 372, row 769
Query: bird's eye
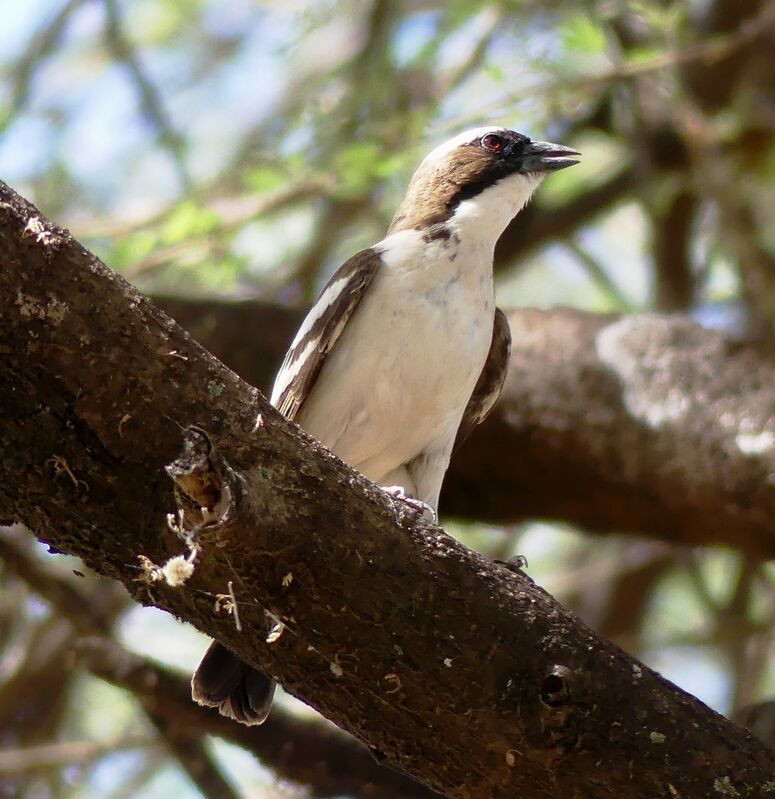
column 493, row 142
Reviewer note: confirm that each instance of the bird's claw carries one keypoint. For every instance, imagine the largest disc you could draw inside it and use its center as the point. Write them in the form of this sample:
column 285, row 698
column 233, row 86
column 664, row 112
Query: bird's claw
column 423, row 508
column 516, row 563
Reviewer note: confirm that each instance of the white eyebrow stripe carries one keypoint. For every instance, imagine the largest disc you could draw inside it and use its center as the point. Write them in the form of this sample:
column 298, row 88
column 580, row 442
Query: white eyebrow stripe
column 466, row 137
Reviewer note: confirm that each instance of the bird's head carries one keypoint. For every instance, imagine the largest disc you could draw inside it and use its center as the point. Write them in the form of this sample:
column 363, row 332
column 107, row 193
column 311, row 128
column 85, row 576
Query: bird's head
column 483, row 176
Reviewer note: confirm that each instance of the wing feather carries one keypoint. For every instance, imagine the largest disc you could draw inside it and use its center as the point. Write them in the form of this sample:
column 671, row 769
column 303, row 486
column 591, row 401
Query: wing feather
column 321, row 329
column 490, row 384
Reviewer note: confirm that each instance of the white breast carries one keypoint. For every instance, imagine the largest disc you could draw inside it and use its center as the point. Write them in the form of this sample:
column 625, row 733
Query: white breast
column 399, row 378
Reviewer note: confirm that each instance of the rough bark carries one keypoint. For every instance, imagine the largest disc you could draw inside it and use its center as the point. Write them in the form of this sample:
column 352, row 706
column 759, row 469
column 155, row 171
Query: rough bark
column 311, row 753
column 645, row 424
column 315, row 754
column 456, row 669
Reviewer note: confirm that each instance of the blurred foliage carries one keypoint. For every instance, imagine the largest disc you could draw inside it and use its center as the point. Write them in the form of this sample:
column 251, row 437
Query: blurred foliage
column 246, row 148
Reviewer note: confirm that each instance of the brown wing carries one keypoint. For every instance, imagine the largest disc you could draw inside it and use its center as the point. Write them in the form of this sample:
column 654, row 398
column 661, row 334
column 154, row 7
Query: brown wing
column 320, row 330
column 490, row 383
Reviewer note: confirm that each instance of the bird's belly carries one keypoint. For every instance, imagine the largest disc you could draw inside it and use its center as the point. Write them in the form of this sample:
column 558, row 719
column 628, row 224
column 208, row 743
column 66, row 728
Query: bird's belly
column 398, row 380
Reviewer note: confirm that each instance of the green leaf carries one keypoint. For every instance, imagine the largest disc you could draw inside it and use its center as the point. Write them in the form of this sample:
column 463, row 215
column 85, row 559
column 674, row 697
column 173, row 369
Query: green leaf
column 219, row 275
column 356, row 167
column 581, row 35
column 133, row 248
column 390, row 165
column 494, row 71
column 642, row 54
column 460, row 11
column 161, row 22
column 187, row 220
column 265, row 178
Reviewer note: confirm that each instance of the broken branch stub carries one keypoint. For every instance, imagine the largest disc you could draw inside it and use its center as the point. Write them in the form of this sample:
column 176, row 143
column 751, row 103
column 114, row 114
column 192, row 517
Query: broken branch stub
column 205, row 485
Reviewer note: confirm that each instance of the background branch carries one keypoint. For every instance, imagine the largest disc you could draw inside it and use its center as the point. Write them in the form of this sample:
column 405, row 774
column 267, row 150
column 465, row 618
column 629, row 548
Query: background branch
column 644, row 424
column 311, row 753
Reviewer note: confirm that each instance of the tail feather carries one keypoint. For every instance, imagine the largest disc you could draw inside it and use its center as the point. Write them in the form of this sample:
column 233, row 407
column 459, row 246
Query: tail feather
column 239, row 691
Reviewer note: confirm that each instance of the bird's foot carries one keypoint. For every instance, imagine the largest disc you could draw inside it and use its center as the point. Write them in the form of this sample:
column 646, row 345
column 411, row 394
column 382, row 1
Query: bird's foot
column 423, row 508
column 516, row 563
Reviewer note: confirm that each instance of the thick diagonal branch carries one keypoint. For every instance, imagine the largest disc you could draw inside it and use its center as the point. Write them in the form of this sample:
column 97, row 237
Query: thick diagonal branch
column 311, row 753
column 456, row 669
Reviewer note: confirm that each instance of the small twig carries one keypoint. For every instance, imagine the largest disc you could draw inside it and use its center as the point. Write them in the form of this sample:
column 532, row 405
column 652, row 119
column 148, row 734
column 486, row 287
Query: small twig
column 150, row 98
column 228, row 602
column 232, row 211
column 13, row 761
column 61, row 466
column 235, row 611
column 43, row 43
column 708, row 50
column 476, row 54
column 599, row 276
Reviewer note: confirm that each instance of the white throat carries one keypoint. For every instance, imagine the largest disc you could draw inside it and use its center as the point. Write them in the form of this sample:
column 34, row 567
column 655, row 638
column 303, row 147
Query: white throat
column 487, row 215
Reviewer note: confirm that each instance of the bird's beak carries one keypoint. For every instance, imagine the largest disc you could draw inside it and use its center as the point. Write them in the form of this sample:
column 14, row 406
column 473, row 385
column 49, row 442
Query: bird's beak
column 543, row 156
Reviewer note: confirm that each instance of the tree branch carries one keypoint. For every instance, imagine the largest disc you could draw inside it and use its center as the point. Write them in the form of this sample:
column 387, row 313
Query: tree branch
column 672, row 246
column 643, row 424
column 32, row 758
column 43, row 43
column 150, row 98
column 456, row 669
column 316, row 754
column 191, row 752
column 312, row 753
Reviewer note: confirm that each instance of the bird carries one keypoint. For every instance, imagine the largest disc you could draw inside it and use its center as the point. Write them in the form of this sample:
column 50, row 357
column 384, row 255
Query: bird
column 404, row 352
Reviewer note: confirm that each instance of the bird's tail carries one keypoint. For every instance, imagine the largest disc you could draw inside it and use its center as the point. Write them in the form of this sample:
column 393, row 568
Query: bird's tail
column 239, row 691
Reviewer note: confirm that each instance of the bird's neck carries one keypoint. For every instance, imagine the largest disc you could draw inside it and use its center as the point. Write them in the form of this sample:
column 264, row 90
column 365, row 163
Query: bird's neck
column 482, row 217
column 487, row 215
